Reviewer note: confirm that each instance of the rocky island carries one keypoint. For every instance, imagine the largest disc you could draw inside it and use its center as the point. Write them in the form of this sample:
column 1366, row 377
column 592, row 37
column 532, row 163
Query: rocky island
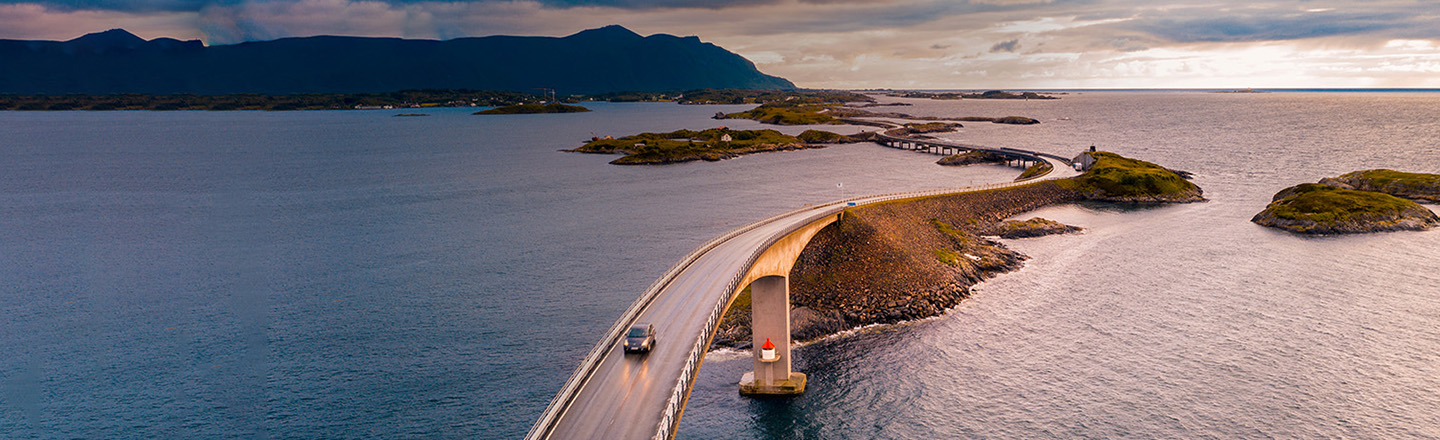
column 931, row 250
column 1358, row 202
column 1034, row 227
column 528, row 109
column 991, row 94
column 708, row 145
column 1413, row 186
column 971, row 158
column 1114, row 178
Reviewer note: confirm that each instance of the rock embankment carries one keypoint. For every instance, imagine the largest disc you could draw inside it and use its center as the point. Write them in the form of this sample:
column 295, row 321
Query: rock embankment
column 1413, row 186
column 897, row 261
column 916, row 258
column 1311, row 208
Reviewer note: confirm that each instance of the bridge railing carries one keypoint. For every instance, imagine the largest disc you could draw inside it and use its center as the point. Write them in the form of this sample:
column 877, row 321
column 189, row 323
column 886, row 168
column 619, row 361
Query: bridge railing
column 670, row 418
column 592, row 359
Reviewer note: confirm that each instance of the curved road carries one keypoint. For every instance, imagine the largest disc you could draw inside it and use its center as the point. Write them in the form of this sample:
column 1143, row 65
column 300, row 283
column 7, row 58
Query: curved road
column 614, row 395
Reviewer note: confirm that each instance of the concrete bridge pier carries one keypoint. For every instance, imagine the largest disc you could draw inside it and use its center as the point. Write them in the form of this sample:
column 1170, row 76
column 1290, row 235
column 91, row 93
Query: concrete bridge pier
column 769, row 282
column 770, row 322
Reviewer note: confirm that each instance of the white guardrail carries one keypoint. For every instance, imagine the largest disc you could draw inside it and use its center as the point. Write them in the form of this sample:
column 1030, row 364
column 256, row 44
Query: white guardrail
column 669, row 420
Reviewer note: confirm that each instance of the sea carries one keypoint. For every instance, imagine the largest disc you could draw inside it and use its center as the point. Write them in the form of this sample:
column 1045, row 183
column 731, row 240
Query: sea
column 358, row 275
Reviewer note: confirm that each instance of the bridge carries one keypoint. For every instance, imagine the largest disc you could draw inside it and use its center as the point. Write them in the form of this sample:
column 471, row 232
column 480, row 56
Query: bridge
column 614, row 395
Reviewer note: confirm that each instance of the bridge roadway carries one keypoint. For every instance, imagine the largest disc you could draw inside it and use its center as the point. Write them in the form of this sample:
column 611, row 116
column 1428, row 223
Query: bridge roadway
column 614, row 395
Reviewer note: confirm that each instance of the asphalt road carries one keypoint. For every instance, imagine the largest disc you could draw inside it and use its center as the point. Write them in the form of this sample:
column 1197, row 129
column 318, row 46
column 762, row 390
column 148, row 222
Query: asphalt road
column 626, row 394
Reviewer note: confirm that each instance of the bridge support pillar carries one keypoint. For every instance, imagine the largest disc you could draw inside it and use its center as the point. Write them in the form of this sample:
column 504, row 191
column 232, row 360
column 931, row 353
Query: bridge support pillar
column 770, row 320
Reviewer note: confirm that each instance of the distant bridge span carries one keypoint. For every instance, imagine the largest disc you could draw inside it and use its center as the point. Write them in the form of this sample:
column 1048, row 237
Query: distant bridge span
column 612, row 395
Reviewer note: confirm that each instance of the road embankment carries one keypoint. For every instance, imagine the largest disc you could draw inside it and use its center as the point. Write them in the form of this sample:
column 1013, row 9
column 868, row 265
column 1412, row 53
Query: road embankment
column 915, row 258
column 899, row 261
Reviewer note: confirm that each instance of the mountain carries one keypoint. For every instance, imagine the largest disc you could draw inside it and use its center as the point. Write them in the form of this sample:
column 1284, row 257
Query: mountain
column 608, row 59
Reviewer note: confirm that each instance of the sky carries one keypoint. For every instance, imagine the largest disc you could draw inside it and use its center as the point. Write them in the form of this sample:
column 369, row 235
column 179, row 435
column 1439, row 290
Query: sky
column 855, row 44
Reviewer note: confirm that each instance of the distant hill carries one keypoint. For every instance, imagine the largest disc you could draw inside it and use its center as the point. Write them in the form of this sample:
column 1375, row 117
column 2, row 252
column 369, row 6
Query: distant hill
column 608, row 59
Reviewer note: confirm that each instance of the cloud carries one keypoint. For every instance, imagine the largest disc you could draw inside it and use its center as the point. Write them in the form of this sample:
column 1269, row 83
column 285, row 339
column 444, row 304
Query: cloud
column 36, row 22
column 1262, row 25
column 1005, row 46
column 855, row 43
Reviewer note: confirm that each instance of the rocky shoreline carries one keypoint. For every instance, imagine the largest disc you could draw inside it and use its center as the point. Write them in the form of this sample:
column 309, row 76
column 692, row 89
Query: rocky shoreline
column 929, row 250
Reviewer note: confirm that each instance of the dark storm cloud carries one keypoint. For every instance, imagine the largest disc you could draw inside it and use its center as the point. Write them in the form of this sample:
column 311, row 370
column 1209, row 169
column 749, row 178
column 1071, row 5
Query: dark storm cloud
column 1005, row 46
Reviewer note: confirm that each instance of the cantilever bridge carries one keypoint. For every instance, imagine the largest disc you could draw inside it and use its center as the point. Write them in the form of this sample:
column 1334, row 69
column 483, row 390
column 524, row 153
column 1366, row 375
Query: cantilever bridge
column 613, row 395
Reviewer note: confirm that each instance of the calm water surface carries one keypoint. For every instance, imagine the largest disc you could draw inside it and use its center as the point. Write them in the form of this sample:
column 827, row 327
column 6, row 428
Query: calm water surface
column 1176, row 322
column 350, row 274
column 356, row 275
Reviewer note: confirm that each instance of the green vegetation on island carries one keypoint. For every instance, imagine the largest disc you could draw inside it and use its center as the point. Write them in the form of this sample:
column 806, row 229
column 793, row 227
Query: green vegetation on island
column 1314, row 208
column 786, row 114
column 708, row 145
column 530, row 109
column 1038, row 169
column 971, row 158
column 1413, row 186
column 251, row 101
column 924, row 128
column 1119, row 179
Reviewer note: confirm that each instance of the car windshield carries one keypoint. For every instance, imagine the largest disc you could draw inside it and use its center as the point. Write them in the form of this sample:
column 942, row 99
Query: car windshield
column 637, row 332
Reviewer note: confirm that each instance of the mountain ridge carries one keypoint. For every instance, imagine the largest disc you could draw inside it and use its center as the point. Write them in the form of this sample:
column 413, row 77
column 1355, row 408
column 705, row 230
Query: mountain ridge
column 607, row 59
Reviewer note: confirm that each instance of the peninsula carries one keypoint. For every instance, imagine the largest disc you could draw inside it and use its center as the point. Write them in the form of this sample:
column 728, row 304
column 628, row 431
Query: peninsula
column 932, row 250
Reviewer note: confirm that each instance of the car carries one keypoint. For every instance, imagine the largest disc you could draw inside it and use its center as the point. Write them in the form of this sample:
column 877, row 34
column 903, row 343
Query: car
column 640, row 338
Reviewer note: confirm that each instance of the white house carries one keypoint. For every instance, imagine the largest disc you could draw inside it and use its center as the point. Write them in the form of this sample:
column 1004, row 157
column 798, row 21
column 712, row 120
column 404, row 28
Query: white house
column 1084, row 161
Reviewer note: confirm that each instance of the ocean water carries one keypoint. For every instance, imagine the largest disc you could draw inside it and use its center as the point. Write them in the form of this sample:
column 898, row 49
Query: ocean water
column 1183, row 322
column 351, row 274
column 357, row 275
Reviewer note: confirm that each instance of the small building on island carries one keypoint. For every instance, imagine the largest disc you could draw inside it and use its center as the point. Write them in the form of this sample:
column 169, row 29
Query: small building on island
column 1084, row 161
